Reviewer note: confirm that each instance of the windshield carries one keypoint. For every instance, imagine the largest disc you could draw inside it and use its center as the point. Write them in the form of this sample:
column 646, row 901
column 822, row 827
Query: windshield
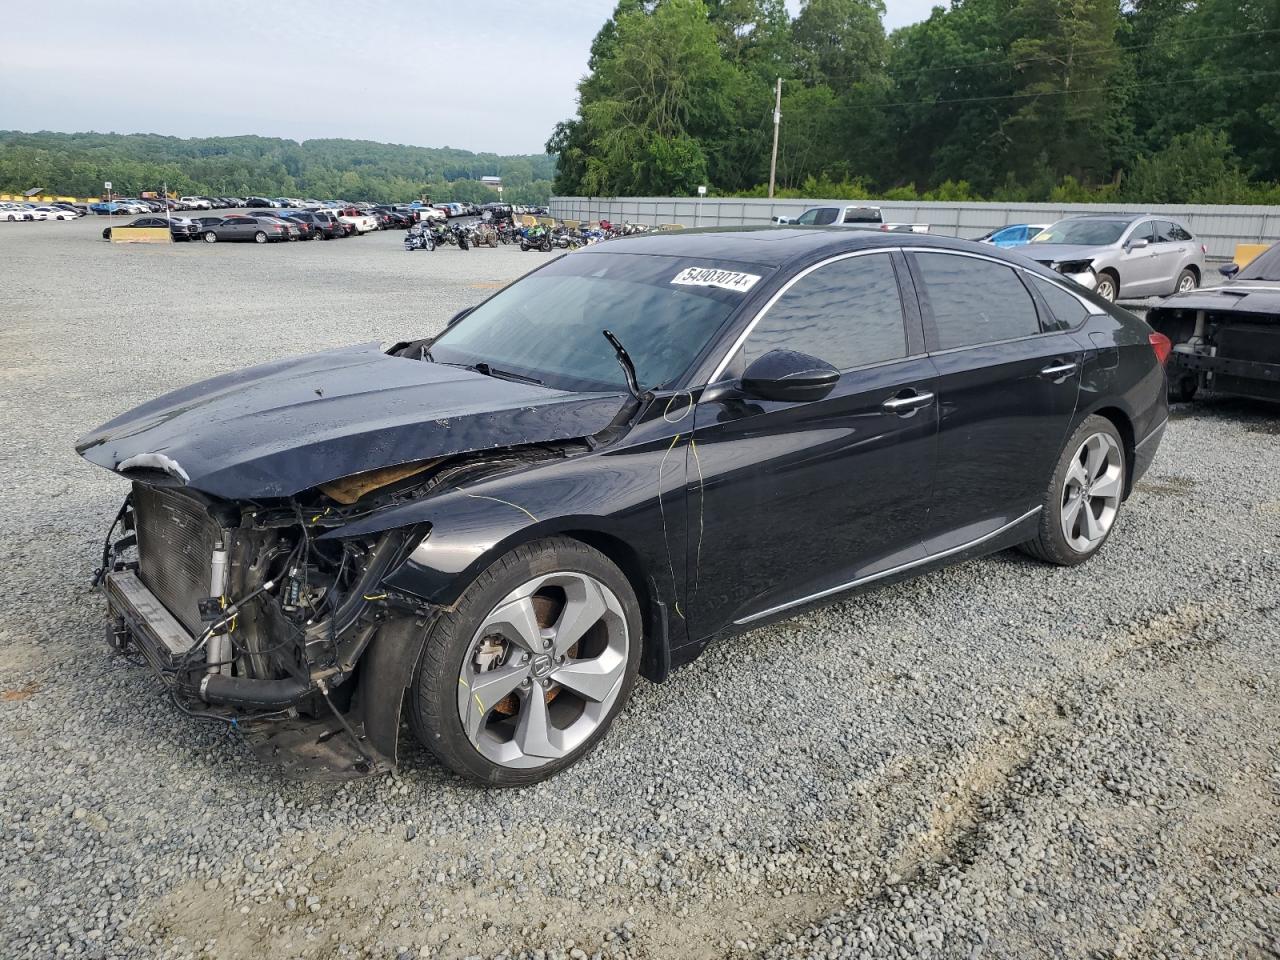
column 547, row 326
column 1265, row 267
column 1084, row 231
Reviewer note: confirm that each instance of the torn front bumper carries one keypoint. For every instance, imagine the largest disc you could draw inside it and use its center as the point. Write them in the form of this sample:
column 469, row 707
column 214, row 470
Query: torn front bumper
column 326, row 747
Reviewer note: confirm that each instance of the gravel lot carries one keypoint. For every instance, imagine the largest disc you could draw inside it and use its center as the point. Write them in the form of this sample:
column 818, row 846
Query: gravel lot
column 997, row 760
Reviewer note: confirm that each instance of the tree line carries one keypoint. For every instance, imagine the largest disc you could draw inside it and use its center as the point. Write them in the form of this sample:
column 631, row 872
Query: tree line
column 1155, row 101
column 77, row 164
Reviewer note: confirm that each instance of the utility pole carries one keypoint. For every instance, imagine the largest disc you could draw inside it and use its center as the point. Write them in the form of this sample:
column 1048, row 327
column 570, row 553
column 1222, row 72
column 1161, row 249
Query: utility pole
column 777, row 120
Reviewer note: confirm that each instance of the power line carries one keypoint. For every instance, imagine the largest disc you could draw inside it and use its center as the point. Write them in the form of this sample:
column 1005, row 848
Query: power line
column 1082, row 90
column 1119, row 50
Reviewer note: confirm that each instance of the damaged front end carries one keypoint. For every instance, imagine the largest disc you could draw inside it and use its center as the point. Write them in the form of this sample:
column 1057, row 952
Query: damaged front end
column 252, row 615
column 246, row 616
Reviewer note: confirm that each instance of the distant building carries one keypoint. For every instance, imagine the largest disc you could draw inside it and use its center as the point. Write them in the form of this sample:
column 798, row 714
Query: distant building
column 493, row 183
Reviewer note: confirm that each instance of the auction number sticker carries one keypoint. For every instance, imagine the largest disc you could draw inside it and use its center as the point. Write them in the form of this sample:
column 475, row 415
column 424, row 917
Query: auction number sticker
column 709, row 277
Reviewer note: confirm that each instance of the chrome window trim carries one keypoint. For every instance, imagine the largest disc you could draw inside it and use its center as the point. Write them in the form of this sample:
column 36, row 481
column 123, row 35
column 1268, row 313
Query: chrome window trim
column 1093, row 309
column 718, row 372
column 746, row 332
column 872, row 577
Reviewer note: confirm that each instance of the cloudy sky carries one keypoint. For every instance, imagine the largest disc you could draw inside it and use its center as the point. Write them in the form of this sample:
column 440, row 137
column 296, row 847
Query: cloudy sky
column 487, row 75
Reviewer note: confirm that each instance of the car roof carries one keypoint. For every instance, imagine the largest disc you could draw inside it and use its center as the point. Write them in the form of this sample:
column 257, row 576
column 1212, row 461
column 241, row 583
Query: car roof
column 1127, row 217
column 780, row 246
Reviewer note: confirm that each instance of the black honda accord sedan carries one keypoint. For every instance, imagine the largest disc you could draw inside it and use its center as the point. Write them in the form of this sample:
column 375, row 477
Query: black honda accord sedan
column 634, row 450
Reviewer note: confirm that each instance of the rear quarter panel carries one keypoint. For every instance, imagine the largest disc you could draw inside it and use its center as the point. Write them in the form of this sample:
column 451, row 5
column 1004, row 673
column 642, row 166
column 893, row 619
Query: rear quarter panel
column 1121, row 374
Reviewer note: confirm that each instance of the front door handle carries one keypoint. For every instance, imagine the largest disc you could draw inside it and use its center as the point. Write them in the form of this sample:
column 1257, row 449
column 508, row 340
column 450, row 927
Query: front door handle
column 1059, row 370
column 907, row 404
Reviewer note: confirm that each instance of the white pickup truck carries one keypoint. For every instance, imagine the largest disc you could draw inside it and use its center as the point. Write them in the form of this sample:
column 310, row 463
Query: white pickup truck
column 857, row 218
column 358, row 219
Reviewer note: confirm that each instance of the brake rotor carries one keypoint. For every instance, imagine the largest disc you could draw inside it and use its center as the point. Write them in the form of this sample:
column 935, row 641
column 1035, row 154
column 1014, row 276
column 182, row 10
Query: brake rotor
column 547, row 611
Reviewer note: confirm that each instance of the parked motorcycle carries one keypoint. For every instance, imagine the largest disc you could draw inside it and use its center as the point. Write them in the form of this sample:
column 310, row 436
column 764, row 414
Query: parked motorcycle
column 417, row 238
column 536, row 238
column 484, row 233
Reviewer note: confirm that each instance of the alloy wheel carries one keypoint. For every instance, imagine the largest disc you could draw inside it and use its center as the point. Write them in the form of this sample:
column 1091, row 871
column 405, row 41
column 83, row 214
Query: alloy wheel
column 1106, row 289
column 1091, row 492
column 1187, row 283
column 543, row 670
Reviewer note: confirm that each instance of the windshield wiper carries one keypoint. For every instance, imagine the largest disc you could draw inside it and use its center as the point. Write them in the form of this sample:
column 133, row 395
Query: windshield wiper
column 624, row 361
column 490, row 371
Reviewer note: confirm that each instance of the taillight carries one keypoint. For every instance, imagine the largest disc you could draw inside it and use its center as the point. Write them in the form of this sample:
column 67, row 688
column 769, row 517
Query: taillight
column 1162, row 345
column 1204, row 250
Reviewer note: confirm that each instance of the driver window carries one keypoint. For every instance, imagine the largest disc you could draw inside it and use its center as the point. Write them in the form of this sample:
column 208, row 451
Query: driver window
column 848, row 313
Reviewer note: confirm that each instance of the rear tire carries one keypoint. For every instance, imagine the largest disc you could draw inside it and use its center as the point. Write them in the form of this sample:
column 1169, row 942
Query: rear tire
column 1084, row 496
column 210, row 237
column 525, row 729
column 1187, row 281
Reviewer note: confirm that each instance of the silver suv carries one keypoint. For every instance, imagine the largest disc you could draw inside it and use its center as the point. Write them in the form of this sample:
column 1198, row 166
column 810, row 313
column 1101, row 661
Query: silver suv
column 1122, row 256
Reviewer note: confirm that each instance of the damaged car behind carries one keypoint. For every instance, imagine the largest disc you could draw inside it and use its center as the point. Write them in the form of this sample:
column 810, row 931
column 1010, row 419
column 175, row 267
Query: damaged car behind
column 628, row 453
column 1226, row 339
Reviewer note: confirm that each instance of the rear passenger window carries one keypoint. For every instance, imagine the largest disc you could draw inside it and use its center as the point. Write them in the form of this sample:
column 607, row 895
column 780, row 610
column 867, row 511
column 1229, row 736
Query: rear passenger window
column 847, row 313
column 974, row 301
column 1165, row 232
column 1068, row 312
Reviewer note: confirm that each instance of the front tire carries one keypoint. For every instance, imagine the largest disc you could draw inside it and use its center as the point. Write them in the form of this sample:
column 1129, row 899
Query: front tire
column 1084, row 496
column 1108, row 286
column 529, row 669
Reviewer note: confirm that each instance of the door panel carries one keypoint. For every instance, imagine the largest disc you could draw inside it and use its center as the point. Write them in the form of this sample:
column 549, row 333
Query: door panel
column 787, row 500
column 1140, row 269
column 1006, row 394
column 1002, row 423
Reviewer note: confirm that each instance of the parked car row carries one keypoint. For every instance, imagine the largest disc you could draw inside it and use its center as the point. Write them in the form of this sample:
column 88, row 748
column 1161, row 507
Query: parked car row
column 260, row 226
column 15, row 211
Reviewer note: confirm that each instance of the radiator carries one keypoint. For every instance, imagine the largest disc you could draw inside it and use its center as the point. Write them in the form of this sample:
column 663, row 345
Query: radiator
column 175, row 542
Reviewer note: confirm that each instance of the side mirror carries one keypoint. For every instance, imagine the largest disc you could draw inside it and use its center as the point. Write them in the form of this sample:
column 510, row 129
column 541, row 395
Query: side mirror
column 1229, row 270
column 781, row 220
column 789, row 376
column 458, row 316
column 1138, row 243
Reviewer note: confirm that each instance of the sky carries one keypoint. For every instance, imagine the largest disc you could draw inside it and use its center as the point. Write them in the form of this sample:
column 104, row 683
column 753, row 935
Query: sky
column 493, row 75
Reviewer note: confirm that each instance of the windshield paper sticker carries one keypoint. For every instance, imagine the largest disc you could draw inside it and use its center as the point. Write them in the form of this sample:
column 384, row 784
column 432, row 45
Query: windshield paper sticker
column 708, row 277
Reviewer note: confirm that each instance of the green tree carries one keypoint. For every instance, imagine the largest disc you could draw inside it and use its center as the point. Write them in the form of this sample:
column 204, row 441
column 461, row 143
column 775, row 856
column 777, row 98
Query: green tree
column 839, row 42
column 660, row 85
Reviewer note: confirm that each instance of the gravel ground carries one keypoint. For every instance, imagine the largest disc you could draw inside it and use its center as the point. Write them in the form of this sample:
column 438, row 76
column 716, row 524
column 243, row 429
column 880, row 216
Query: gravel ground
column 1001, row 759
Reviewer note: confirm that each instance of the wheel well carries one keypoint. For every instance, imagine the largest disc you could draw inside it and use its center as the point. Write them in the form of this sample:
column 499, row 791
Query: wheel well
column 653, row 655
column 1113, row 273
column 1124, row 427
column 1195, row 271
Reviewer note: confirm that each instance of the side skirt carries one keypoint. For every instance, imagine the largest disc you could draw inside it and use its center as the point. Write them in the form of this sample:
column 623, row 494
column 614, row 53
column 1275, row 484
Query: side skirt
column 989, row 543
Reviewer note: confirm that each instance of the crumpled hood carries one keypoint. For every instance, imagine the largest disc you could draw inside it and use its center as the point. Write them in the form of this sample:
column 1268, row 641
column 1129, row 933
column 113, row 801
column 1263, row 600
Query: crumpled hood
column 284, row 427
column 1058, row 252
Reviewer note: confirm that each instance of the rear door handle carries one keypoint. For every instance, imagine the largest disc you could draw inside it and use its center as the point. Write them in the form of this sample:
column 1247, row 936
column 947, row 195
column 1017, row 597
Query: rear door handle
column 907, row 404
column 1056, row 370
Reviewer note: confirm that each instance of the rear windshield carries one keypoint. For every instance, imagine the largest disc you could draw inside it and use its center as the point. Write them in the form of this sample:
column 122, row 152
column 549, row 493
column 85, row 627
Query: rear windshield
column 1089, row 232
column 1265, row 267
column 664, row 310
